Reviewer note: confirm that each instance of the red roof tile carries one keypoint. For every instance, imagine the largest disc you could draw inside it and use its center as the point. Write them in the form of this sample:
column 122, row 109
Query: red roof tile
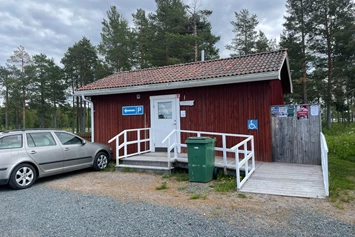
column 249, row 64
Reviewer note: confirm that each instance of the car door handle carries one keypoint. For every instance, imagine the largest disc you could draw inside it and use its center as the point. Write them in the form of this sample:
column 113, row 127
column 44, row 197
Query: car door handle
column 66, row 149
column 33, row 152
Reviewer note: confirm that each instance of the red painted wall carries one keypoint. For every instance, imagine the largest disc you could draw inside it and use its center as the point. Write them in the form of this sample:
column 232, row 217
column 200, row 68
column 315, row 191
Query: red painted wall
column 223, row 108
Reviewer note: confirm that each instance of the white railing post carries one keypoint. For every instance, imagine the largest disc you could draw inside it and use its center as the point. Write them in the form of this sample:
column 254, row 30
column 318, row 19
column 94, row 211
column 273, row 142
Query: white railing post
column 224, row 146
column 246, row 163
column 125, row 143
column 176, row 142
column 168, row 150
column 139, row 141
column 252, row 150
column 324, row 160
column 117, row 152
column 237, row 168
column 151, row 147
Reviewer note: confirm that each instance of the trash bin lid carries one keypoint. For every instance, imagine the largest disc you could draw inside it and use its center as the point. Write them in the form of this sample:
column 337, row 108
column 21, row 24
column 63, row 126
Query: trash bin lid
column 200, row 140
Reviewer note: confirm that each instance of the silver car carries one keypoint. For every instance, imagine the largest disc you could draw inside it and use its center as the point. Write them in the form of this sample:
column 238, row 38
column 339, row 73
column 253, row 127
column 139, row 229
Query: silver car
column 30, row 154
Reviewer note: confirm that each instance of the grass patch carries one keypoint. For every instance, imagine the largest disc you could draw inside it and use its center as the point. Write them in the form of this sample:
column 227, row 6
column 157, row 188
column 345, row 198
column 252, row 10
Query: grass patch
column 225, row 183
column 111, row 167
column 341, row 163
column 126, row 169
column 180, row 176
column 198, row 196
column 242, row 195
column 164, row 185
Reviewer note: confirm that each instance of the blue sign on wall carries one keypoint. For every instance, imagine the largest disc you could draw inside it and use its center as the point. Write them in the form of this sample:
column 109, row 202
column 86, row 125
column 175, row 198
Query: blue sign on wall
column 253, row 124
column 132, row 110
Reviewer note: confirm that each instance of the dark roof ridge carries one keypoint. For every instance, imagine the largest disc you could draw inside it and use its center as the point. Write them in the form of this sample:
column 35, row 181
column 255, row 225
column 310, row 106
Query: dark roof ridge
column 201, row 62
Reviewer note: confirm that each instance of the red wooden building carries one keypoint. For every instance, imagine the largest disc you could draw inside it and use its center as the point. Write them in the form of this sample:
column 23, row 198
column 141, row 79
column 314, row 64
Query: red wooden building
column 216, row 96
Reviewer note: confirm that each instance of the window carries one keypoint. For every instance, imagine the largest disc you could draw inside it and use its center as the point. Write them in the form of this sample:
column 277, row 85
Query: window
column 10, row 142
column 165, row 110
column 40, row 139
column 68, row 139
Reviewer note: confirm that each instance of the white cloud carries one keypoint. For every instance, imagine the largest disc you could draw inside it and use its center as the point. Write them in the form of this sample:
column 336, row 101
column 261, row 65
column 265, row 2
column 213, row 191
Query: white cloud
column 50, row 27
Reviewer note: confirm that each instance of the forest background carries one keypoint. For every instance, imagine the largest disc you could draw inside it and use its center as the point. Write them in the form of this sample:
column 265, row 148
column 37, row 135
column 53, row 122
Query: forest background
column 319, row 35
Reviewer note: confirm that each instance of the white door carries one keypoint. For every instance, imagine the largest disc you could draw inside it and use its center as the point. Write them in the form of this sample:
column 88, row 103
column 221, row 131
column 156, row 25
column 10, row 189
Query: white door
column 164, row 117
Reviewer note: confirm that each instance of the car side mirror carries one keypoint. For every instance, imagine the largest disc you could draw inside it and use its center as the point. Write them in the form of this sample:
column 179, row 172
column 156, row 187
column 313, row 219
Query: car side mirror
column 83, row 142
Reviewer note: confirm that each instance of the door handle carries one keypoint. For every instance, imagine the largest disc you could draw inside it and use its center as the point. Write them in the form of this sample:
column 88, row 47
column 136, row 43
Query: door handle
column 66, row 149
column 33, row 152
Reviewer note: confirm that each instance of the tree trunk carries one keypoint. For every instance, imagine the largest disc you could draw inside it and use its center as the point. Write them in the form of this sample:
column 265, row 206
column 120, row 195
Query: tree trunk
column 24, row 108
column 77, row 115
column 73, row 115
column 304, row 68
column 195, row 34
column 55, row 116
column 7, row 110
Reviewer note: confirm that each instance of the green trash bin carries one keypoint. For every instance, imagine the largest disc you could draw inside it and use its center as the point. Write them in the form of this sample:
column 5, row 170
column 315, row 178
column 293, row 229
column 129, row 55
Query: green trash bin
column 201, row 158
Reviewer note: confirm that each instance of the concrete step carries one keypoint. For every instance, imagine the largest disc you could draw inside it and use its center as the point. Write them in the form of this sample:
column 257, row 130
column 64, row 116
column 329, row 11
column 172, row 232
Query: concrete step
column 146, row 169
column 153, row 163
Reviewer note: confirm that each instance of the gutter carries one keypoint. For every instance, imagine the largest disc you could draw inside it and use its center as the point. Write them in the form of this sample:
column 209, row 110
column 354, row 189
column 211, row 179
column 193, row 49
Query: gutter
column 182, row 84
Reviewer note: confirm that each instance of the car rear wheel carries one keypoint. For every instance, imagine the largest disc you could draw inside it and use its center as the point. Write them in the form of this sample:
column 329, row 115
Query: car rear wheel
column 23, row 176
column 101, row 161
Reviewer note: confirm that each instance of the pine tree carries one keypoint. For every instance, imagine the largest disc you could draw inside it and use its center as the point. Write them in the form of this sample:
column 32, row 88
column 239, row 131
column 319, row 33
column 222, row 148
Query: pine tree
column 80, row 64
column 143, row 35
column 5, row 84
column 245, row 34
column 21, row 59
column 172, row 42
column 329, row 18
column 116, row 41
column 295, row 36
column 201, row 29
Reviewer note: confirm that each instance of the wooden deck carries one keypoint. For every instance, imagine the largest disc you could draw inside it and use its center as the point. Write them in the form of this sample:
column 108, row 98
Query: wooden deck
column 268, row 178
column 287, row 180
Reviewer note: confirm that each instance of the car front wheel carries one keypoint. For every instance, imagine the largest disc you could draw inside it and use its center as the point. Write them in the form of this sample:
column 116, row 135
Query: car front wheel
column 23, row 176
column 101, row 161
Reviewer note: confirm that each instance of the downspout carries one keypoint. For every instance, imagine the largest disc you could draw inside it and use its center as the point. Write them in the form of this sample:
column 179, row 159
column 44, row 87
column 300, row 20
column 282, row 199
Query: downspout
column 92, row 117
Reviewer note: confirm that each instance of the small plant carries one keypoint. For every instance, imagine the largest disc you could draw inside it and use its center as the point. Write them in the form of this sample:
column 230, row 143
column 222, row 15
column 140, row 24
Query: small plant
column 198, row 196
column 225, row 183
column 195, row 196
column 111, row 167
column 180, row 176
column 242, row 195
column 164, row 185
column 125, row 169
column 183, row 188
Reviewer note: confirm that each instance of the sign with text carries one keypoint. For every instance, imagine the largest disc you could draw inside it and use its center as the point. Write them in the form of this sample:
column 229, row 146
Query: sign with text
column 132, row 110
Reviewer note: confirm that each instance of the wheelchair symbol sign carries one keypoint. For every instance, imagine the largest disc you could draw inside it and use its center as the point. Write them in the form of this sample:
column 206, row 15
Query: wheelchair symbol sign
column 253, row 124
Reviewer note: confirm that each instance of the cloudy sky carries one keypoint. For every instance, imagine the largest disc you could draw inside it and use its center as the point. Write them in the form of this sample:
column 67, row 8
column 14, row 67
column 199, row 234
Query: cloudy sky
column 50, row 27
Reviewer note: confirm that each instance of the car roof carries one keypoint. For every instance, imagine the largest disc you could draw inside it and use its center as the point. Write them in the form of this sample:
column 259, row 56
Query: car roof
column 20, row 131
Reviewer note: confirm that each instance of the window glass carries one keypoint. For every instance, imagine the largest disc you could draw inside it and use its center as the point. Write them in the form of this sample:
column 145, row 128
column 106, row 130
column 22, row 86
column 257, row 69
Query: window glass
column 40, row 139
column 165, row 110
column 12, row 141
column 68, row 139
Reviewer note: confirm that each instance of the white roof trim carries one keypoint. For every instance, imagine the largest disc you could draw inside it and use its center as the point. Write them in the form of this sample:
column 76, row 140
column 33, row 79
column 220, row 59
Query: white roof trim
column 183, row 84
column 288, row 70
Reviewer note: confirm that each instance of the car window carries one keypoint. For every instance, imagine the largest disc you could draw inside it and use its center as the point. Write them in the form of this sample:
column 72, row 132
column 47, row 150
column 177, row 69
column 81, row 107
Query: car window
column 12, row 141
column 68, row 139
column 40, row 139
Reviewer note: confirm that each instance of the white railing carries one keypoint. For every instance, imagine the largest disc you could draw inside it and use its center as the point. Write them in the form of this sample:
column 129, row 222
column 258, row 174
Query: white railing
column 240, row 148
column 324, row 154
column 126, row 142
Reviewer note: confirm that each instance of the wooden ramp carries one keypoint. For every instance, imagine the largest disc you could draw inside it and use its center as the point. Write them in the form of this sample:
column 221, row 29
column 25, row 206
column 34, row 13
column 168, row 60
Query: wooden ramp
column 287, row 180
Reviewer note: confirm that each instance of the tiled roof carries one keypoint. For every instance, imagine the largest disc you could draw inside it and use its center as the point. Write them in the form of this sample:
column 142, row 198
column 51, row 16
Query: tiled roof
column 249, row 64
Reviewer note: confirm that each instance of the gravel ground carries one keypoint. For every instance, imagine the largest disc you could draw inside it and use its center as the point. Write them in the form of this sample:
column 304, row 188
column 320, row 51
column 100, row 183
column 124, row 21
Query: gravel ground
column 127, row 204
